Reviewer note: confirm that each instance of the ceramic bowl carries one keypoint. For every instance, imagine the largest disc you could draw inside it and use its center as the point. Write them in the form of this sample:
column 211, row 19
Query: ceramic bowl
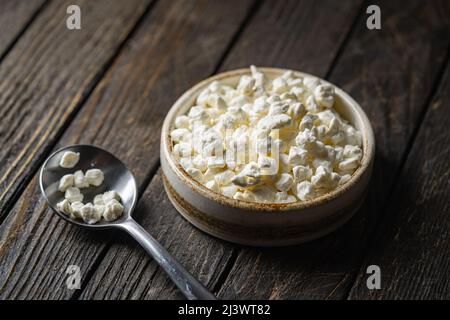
column 262, row 224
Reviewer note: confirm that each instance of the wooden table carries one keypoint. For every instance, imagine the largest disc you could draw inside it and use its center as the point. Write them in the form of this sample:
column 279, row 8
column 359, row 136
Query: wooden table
column 111, row 84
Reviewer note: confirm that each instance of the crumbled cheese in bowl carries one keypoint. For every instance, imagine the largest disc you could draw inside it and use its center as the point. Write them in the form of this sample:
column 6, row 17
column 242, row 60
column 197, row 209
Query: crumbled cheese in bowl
column 267, row 140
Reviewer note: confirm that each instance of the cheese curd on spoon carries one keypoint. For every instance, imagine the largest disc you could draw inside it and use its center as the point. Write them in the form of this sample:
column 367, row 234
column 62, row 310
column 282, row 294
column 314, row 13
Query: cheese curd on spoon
column 69, row 159
column 267, row 140
column 105, row 206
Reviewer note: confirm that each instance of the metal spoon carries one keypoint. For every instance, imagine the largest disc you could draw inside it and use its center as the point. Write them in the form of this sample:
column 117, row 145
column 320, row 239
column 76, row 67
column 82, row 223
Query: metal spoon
column 120, row 179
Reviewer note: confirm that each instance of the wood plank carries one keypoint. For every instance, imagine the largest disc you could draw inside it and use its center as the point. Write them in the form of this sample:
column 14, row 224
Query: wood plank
column 300, row 35
column 15, row 15
column 391, row 73
column 412, row 244
column 47, row 75
column 178, row 44
column 124, row 274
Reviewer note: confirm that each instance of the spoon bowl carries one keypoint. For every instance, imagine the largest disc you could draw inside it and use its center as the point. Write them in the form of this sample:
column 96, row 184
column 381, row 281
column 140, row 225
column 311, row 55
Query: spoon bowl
column 120, row 179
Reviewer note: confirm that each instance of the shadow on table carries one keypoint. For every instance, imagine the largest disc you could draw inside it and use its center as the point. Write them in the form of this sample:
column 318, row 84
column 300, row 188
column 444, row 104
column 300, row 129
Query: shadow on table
column 323, row 268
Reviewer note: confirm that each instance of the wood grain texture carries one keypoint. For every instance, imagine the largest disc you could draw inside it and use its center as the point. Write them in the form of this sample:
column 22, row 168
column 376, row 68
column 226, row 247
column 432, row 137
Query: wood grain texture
column 412, row 243
column 391, row 73
column 301, row 35
column 48, row 73
column 15, row 15
column 126, row 272
column 177, row 44
column 131, row 275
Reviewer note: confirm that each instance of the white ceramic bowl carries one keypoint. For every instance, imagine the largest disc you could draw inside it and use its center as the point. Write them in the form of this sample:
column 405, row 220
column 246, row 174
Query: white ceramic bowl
column 262, row 224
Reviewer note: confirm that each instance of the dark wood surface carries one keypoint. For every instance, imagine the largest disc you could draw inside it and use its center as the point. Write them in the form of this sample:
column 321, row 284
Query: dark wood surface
column 111, row 84
column 15, row 17
column 45, row 79
column 412, row 239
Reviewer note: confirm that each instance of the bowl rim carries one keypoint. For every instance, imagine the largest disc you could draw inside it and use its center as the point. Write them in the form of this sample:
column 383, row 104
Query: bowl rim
column 366, row 161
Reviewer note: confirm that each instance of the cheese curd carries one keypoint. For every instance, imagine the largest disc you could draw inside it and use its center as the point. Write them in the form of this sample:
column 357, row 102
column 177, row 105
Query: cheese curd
column 113, row 210
column 76, row 210
column 80, row 180
column 110, row 195
column 105, row 206
column 94, row 177
column 89, row 214
column 73, row 194
column 66, row 182
column 65, row 207
column 267, row 140
column 69, row 159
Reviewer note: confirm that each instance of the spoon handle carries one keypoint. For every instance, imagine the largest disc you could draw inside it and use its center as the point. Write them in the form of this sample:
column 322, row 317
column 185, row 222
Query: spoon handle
column 189, row 286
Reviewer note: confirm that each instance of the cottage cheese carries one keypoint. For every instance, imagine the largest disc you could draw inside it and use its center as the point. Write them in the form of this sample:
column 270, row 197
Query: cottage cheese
column 113, row 210
column 75, row 209
column 89, row 214
column 94, row 177
column 73, row 194
column 66, row 182
column 267, row 140
column 69, row 159
column 80, row 180
column 106, row 205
